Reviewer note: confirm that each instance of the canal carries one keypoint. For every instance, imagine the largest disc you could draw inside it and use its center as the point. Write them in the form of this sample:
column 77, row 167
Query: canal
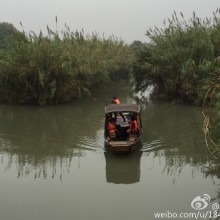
column 53, row 163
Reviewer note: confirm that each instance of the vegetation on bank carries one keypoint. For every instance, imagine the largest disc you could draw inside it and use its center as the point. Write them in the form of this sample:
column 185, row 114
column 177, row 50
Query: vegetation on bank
column 181, row 59
column 182, row 62
column 50, row 69
column 6, row 31
column 211, row 113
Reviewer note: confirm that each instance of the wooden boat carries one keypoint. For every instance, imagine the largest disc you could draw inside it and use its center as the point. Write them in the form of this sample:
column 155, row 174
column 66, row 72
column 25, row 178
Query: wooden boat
column 123, row 140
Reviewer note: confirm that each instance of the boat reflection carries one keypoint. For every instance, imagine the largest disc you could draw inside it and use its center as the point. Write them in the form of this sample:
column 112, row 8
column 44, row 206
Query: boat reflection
column 123, row 169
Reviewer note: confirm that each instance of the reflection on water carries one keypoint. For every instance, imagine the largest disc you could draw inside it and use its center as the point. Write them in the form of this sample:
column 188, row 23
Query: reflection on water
column 39, row 139
column 58, row 152
column 44, row 141
column 123, row 169
column 174, row 132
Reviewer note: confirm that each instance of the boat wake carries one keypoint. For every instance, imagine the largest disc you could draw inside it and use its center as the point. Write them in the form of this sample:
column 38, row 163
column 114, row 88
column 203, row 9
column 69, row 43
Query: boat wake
column 153, row 145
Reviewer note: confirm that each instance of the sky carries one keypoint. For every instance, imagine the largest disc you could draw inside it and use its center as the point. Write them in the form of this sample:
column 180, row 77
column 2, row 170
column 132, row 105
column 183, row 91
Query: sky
column 127, row 20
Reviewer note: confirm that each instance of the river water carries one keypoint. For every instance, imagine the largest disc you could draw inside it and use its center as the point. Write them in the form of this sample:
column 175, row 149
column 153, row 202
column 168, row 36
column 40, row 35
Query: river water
column 53, row 164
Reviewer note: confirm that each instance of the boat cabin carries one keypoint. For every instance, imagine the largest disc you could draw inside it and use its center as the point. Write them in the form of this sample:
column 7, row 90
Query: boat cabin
column 123, row 127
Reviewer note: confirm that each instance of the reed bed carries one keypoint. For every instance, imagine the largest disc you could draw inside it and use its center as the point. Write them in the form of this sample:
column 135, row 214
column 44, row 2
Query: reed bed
column 180, row 58
column 58, row 67
column 182, row 62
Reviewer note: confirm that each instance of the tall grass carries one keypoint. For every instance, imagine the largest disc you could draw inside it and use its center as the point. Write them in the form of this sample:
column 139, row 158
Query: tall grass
column 180, row 58
column 58, row 67
column 182, row 61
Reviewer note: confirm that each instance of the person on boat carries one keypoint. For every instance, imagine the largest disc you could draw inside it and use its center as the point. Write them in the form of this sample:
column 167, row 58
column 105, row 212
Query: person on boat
column 115, row 100
column 133, row 127
column 112, row 128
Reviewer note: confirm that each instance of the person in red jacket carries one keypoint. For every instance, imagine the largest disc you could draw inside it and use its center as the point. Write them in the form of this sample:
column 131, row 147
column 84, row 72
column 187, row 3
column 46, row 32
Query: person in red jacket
column 133, row 127
column 112, row 129
column 115, row 100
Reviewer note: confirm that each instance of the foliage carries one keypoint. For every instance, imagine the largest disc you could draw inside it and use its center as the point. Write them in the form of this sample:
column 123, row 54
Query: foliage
column 58, row 67
column 182, row 62
column 180, row 58
column 6, row 30
column 211, row 113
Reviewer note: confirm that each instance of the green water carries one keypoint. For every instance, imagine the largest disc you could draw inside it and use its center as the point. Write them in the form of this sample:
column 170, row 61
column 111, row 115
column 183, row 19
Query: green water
column 53, row 164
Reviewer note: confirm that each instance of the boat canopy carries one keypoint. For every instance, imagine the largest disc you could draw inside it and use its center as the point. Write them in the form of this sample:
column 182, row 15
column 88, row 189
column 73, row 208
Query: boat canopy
column 122, row 108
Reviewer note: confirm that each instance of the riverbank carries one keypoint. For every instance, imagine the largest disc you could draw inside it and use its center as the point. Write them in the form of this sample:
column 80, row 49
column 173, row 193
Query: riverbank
column 45, row 70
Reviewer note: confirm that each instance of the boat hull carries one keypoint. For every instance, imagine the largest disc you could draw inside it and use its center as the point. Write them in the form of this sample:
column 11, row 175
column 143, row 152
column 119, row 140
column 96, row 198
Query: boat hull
column 121, row 135
column 122, row 146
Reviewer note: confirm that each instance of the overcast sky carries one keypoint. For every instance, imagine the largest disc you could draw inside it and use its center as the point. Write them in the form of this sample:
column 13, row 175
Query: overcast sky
column 125, row 19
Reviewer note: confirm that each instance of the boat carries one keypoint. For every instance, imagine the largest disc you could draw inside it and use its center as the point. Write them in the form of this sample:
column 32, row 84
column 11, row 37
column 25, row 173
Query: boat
column 122, row 140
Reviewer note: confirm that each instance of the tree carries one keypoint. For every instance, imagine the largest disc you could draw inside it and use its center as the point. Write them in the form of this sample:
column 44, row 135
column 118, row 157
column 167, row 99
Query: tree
column 6, row 31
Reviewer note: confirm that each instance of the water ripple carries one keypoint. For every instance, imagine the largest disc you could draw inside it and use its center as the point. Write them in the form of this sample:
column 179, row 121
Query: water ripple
column 91, row 144
column 153, row 145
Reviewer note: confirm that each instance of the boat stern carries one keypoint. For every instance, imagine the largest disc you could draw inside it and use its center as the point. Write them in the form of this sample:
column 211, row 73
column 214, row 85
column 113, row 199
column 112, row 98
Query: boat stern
column 121, row 146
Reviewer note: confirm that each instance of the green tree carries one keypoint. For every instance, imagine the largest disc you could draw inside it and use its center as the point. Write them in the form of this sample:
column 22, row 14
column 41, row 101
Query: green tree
column 6, row 31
